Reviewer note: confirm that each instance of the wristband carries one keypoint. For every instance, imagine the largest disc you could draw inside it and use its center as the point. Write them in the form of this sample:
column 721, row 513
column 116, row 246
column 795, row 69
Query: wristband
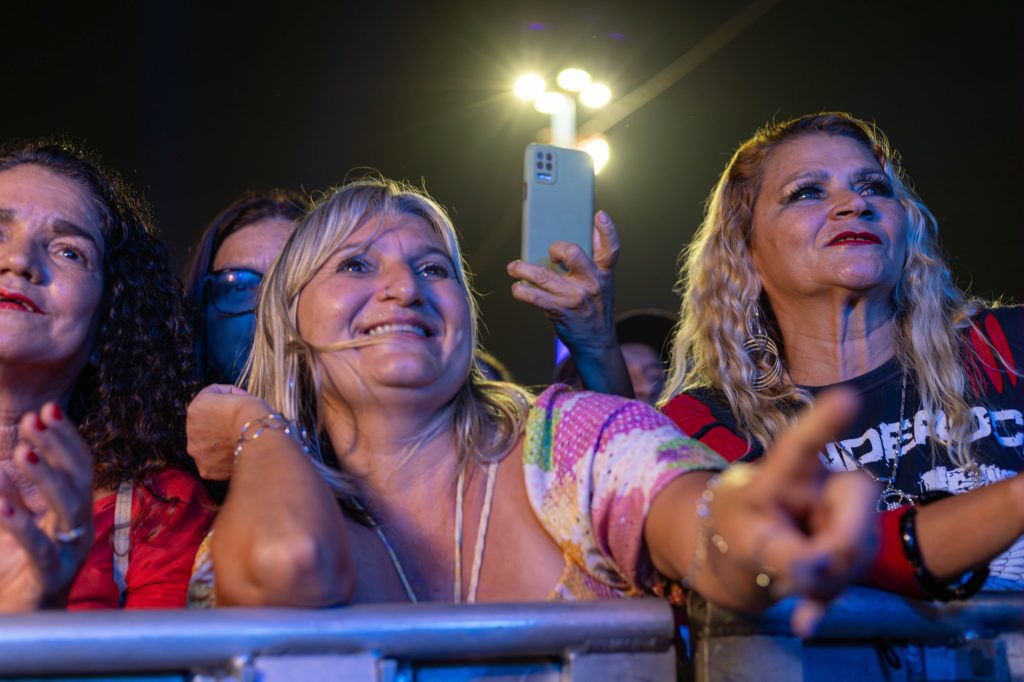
column 962, row 588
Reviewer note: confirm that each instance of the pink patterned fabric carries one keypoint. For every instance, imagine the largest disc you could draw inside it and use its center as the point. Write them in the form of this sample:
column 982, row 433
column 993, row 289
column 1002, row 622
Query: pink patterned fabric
column 593, row 463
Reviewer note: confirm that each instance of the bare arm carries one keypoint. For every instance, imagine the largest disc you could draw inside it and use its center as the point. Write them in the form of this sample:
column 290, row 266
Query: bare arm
column 967, row 531
column 279, row 538
column 808, row 532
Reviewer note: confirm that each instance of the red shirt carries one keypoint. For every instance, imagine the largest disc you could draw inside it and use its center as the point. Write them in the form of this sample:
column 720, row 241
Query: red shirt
column 169, row 520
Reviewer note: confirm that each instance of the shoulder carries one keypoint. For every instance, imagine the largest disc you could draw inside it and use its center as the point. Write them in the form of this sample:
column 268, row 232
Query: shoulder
column 1003, row 326
column 567, row 427
column 172, row 501
column 563, row 408
column 995, row 341
column 175, row 485
column 697, row 408
column 705, row 415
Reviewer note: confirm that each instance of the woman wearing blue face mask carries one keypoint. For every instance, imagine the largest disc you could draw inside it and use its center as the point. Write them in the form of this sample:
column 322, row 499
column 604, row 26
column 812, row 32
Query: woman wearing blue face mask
column 226, row 270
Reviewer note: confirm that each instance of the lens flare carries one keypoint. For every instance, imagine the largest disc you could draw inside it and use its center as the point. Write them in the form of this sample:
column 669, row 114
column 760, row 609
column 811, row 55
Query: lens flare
column 528, row 87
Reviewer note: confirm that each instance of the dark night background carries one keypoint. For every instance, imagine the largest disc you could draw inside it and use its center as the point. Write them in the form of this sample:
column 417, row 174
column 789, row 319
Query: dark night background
column 195, row 104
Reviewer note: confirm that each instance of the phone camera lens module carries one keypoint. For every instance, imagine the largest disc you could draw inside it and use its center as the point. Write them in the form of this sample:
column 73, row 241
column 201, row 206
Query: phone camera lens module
column 540, row 164
column 547, row 166
column 548, row 156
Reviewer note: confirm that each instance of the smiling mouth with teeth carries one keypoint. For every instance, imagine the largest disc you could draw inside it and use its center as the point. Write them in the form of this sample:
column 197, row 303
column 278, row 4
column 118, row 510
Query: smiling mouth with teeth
column 398, row 328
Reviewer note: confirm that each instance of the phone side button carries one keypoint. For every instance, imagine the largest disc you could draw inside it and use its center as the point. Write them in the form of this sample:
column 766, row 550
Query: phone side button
column 524, row 190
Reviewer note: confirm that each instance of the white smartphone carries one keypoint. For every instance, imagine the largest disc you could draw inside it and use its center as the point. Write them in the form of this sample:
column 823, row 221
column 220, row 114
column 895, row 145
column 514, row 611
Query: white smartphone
column 558, row 201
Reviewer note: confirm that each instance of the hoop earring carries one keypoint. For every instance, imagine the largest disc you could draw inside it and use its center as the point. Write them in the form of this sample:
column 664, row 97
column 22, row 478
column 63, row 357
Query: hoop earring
column 763, row 353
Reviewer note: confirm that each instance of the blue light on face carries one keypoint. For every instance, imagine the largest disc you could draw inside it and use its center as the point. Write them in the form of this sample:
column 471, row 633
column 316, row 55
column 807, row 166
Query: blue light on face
column 230, row 323
column 233, row 291
column 228, row 341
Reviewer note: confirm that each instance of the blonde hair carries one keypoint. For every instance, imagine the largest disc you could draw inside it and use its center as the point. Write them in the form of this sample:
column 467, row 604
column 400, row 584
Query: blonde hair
column 485, row 417
column 721, row 291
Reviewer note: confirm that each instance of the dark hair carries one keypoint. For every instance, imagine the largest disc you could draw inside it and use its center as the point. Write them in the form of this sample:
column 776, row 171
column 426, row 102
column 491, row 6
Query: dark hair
column 129, row 403
column 247, row 209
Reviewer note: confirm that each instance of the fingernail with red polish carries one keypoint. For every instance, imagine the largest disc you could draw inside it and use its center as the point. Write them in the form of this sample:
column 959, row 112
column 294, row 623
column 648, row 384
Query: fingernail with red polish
column 32, row 457
column 57, row 414
column 40, row 426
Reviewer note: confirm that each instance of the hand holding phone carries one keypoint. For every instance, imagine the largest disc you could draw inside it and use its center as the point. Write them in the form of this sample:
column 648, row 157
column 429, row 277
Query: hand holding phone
column 575, row 290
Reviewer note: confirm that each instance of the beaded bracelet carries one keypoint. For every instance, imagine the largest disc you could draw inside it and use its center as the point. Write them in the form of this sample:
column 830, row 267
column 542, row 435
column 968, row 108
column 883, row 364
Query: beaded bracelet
column 271, row 422
column 969, row 583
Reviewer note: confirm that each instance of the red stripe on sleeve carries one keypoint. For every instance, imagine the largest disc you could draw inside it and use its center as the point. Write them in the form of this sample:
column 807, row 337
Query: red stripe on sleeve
column 998, row 337
column 693, row 416
column 988, row 361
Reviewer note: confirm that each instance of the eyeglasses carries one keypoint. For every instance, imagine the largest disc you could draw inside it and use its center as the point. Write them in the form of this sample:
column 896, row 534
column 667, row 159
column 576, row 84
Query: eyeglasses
column 233, row 292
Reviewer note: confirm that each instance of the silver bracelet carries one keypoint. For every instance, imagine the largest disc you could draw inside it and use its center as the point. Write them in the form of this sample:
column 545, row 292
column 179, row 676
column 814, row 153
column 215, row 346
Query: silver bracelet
column 700, row 547
column 254, row 428
column 707, row 535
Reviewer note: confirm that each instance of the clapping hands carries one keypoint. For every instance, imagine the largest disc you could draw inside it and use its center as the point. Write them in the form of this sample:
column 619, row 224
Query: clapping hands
column 46, row 524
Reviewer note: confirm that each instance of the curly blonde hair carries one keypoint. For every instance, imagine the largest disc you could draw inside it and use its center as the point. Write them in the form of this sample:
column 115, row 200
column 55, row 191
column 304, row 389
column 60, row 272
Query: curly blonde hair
column 721, row 291
column 485, row 417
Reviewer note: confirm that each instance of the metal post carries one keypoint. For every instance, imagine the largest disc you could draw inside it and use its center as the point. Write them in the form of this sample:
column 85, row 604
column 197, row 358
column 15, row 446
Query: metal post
column 563, row 124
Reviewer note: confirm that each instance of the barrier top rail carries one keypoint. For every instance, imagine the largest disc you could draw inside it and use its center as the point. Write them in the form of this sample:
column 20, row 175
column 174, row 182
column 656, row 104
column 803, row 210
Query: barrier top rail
column 117, row 641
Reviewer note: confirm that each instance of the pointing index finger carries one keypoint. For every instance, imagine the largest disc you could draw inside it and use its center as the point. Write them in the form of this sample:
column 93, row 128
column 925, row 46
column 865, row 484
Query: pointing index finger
column 795, row 453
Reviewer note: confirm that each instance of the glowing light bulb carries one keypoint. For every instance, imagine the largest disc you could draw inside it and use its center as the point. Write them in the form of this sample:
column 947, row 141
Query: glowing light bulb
column 596, row 95
column 573, row 80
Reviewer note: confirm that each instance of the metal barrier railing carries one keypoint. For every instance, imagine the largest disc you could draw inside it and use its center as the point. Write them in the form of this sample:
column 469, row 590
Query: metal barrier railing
column 621, row 640
column 865, row 635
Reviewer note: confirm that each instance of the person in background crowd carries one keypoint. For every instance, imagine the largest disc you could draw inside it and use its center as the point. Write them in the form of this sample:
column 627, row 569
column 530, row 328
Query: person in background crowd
column 223, row 278
column 643, row 336
column 95, row 374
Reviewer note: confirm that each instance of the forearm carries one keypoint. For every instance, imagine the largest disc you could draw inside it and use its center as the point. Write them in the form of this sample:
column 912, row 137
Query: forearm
column 672, row 533
column 967, row 531
column 603, row 370
column 279, row 538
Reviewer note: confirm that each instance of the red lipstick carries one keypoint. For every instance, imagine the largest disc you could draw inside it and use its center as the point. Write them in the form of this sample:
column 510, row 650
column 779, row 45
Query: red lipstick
column 10, row 299
column 854, row 238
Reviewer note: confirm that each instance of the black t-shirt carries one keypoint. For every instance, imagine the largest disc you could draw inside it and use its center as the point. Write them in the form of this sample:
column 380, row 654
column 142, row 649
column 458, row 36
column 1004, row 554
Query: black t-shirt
column 997, row 440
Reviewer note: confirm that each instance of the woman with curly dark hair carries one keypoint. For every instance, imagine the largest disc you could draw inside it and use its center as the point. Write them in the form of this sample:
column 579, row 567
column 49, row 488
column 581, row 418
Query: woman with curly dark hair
column 229, row 262
column 93, row 326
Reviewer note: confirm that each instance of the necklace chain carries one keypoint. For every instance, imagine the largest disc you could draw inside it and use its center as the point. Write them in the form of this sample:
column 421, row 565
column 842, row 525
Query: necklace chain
column 891, row 497
column 478, row 550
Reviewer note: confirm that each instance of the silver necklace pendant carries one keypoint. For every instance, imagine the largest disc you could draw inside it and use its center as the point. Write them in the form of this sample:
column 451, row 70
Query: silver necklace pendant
column 891, row 498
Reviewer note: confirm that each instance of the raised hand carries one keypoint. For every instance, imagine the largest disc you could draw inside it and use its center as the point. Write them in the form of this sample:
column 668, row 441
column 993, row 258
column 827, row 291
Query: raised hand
column 580, row 302
column 797, row 529
column 46, row 523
